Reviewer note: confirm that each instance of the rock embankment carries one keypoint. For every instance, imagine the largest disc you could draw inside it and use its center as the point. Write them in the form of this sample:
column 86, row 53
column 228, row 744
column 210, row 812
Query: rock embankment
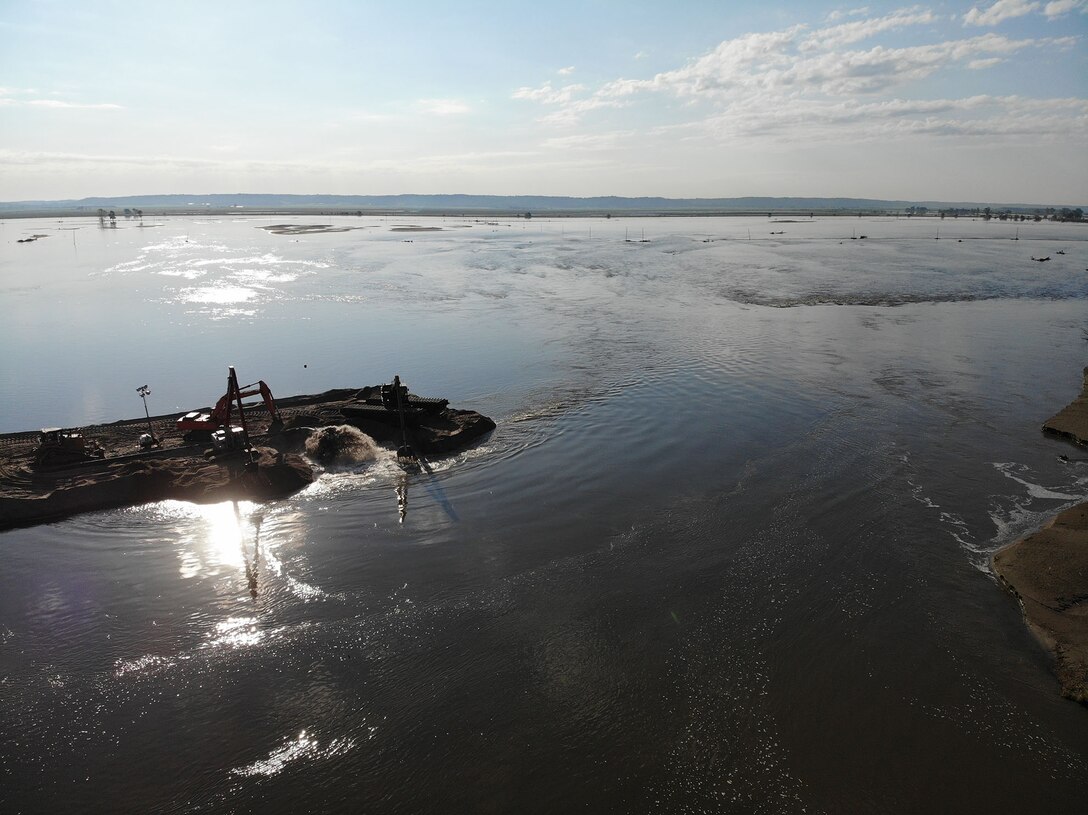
column 1048, row 572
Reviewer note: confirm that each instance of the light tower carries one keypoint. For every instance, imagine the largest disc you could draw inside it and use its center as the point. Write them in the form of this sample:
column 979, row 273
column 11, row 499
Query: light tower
column 145, row 392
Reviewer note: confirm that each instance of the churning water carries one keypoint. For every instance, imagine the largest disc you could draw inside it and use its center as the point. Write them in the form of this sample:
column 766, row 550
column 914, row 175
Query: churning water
column 727, row 550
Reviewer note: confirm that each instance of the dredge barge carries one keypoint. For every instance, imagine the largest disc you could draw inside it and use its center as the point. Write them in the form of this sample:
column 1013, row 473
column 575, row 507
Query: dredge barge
column 230, row 451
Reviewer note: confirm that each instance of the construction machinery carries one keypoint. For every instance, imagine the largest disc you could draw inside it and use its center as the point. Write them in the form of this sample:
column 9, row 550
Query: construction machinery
column 57, row 447
column 395, row 397
column 196, row 425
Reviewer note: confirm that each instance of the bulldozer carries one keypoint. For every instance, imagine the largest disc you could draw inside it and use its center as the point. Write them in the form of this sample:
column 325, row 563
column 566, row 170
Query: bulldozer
column 58, row 447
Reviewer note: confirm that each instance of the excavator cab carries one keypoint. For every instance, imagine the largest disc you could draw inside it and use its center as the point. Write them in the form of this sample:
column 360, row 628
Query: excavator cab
column 394, row 396
column 225, row 439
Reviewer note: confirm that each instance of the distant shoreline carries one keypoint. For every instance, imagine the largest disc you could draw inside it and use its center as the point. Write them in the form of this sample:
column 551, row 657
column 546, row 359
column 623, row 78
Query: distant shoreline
column 171, row 212
column 520, row 206
column 797, row 216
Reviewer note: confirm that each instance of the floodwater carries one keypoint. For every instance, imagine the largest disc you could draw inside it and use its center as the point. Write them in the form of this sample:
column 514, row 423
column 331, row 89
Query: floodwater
column 727, row 550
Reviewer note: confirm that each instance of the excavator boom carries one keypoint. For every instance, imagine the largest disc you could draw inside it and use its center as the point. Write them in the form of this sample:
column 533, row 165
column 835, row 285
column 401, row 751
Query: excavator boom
column 219, row 415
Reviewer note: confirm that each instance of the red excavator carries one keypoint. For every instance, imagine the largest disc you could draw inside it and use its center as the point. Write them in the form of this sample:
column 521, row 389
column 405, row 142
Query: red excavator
column 201, row 425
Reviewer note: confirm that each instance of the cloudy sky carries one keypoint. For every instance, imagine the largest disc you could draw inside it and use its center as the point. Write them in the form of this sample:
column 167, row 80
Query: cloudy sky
column 982, row 101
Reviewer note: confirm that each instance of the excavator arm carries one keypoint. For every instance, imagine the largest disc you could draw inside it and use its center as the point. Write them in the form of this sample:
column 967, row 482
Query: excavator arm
column 261, row 389
column 218, row 417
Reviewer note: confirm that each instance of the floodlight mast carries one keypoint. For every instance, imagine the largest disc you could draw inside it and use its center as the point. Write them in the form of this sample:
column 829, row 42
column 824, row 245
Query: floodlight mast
column 145, row 392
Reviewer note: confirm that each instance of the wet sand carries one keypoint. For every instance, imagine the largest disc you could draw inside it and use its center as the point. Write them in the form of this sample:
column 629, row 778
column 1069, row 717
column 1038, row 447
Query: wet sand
column 1047, row 572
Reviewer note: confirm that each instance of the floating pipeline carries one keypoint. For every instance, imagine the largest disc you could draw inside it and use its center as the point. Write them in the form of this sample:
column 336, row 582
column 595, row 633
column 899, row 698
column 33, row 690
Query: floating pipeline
column 128, row 475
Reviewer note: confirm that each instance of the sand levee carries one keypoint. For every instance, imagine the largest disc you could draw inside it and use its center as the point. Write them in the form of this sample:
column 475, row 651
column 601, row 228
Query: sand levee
column 335, row 427
column 1047, row 571
column 112, row 484
column 1071, row 422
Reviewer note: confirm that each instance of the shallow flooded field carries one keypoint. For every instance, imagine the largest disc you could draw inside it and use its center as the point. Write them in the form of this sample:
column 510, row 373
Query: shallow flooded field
column 726, row 551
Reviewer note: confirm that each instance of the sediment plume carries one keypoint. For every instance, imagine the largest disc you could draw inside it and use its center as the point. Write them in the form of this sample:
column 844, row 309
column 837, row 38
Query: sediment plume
column 341, row 445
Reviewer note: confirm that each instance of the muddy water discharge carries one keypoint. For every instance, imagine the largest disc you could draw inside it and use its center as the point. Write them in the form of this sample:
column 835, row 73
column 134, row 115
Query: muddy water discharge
column 340, row 446
column 725, row 552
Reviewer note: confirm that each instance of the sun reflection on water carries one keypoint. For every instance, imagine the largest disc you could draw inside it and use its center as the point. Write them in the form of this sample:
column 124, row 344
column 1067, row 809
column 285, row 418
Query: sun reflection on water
column 219, row 294
column 236, row 632
column 214, row 537
column 304, row 746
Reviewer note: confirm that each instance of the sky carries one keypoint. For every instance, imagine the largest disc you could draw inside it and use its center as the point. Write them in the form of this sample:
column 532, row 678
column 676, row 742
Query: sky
column 946, row 101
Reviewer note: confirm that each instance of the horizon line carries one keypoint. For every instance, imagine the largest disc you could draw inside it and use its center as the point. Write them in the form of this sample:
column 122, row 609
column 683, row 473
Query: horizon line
column 792, row 201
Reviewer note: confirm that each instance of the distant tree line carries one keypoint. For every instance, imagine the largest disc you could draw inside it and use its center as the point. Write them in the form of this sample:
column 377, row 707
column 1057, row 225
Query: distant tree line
column 127, row 212
column 986, row 213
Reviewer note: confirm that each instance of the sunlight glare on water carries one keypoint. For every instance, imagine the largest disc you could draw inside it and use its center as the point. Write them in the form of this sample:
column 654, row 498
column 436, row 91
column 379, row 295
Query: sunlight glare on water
column 215, row 534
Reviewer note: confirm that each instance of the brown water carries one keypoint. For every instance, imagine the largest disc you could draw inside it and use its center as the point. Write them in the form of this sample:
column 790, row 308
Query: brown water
column 727, row 550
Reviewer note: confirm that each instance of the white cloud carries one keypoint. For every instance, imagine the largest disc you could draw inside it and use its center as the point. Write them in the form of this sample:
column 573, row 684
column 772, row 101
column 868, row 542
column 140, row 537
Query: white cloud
column 854, row 12
column 1057, row 8
column 767, row 63
column 999, row 12
column 571, row 107
column 799, row 84
column 851, row 121
column 548, row 95
column 848, row 33
column 566, row 71
column 570, row 113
